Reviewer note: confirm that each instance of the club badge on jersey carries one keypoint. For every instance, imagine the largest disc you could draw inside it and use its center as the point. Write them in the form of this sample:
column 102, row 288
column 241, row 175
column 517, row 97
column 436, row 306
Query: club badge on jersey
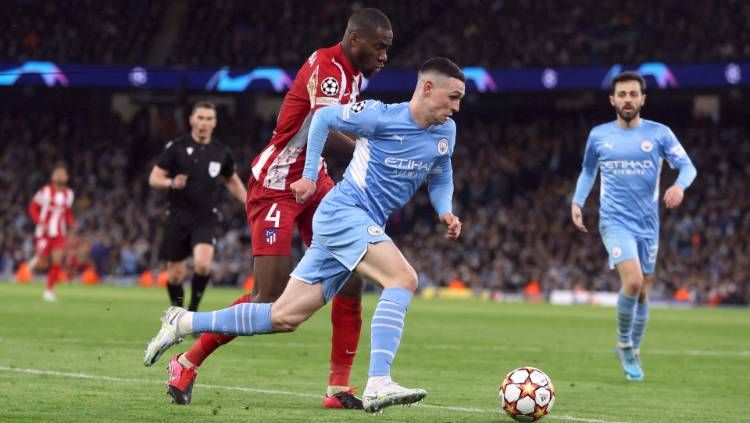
column 270, row 236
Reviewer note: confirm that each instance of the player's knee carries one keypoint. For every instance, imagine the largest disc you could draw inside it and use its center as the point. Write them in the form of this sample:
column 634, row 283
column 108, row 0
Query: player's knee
column 634, row 282
column 408, row 279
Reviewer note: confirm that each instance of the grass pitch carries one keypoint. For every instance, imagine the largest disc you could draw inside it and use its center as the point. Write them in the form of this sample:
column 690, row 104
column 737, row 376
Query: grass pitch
column 81, row 360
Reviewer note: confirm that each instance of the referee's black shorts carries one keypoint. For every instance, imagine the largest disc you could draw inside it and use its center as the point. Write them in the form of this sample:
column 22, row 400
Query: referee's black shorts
column 183, row 230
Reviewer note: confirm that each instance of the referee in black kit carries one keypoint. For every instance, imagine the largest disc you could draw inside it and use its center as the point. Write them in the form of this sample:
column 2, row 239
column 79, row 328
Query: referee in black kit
column 192, row 168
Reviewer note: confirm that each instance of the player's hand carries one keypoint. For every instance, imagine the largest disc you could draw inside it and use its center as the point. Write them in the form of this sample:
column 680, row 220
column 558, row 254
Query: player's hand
column 454, row 225
column 577, row 215
column 179, row 181
column 673, row 196
column 303, row 189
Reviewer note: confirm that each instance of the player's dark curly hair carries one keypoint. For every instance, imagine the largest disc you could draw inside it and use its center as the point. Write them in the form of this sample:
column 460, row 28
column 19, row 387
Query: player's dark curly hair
column 443, row 66
column 628, row 76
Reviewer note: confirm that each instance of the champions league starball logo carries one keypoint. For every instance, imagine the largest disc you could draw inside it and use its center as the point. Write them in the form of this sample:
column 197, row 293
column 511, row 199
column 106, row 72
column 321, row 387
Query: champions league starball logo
column 223, row 81
column 481, row 78
column 657, row 70
column 48, row 71
column 329, row 87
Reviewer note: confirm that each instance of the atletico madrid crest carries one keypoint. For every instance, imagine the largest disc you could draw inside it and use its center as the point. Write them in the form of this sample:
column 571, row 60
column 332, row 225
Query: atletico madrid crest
column 270, row 236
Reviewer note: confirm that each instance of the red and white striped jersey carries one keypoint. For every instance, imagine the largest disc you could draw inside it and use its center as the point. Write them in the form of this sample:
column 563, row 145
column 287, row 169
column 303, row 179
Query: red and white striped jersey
column 52, row 211
column 327, row 77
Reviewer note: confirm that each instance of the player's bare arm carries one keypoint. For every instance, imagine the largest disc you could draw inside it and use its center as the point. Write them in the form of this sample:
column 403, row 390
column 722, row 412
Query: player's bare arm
column 159, row 179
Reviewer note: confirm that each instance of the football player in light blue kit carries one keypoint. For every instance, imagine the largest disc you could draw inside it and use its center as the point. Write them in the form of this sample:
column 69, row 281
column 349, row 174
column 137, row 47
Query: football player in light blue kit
column 399, row 147
column 629, row 153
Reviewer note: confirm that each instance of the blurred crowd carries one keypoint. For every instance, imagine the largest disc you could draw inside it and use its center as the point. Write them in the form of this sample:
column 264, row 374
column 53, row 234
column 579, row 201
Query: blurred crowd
column 80, row 31
column 513, row 183
column 495, row 33
column 514, row 175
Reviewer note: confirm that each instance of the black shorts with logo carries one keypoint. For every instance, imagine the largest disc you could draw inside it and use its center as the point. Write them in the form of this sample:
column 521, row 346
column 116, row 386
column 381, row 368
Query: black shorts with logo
column 183, row 230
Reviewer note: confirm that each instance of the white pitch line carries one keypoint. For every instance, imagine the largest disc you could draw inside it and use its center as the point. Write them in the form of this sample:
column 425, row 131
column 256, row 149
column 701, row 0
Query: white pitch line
column 43, row 372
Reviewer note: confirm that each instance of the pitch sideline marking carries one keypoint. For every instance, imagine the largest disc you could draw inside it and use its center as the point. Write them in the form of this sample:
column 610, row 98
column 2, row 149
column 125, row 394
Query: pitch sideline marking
column 43, row 372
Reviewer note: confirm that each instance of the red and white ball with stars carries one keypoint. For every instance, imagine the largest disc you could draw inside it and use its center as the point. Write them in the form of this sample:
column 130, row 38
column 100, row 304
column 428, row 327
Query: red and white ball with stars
column 527, row 394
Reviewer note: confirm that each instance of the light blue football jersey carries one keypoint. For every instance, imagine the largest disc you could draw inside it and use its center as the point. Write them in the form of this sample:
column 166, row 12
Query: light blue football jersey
column 630, row 161
column 392, row 158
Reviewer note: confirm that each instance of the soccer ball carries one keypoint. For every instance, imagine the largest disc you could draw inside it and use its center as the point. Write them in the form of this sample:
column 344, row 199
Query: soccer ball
column 527, row 394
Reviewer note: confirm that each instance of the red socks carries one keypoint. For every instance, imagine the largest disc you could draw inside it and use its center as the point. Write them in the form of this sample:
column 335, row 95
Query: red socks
column 209, row 342
column 346, row 318
column 53, row 275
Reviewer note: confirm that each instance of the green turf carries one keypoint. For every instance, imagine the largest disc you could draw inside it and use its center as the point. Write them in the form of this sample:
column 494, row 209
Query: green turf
column 55, row 360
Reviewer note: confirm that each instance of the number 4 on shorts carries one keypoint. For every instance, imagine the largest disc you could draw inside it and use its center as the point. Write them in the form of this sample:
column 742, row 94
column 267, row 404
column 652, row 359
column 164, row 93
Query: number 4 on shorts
column 273, row 215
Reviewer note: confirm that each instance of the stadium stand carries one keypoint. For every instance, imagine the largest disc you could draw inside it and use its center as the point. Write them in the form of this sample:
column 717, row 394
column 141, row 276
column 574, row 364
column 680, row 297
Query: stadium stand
column 514, row 203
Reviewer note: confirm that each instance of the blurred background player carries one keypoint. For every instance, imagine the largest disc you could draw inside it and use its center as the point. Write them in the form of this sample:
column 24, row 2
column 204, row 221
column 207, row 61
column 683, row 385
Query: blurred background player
column 400, row 146
column 192, row 168
column 629, row 152
column 52, row 212
column 332, row 75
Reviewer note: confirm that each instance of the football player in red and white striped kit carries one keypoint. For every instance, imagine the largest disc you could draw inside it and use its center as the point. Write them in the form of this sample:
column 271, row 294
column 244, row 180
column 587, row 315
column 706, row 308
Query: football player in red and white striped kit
column 52, row 211
column 332, row 75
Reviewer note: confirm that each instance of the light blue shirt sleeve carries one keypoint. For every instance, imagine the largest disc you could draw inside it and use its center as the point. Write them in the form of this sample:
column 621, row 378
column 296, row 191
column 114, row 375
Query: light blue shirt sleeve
column 677, row 157
column 588, row 172
column 359, row 118
column 440, row 186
